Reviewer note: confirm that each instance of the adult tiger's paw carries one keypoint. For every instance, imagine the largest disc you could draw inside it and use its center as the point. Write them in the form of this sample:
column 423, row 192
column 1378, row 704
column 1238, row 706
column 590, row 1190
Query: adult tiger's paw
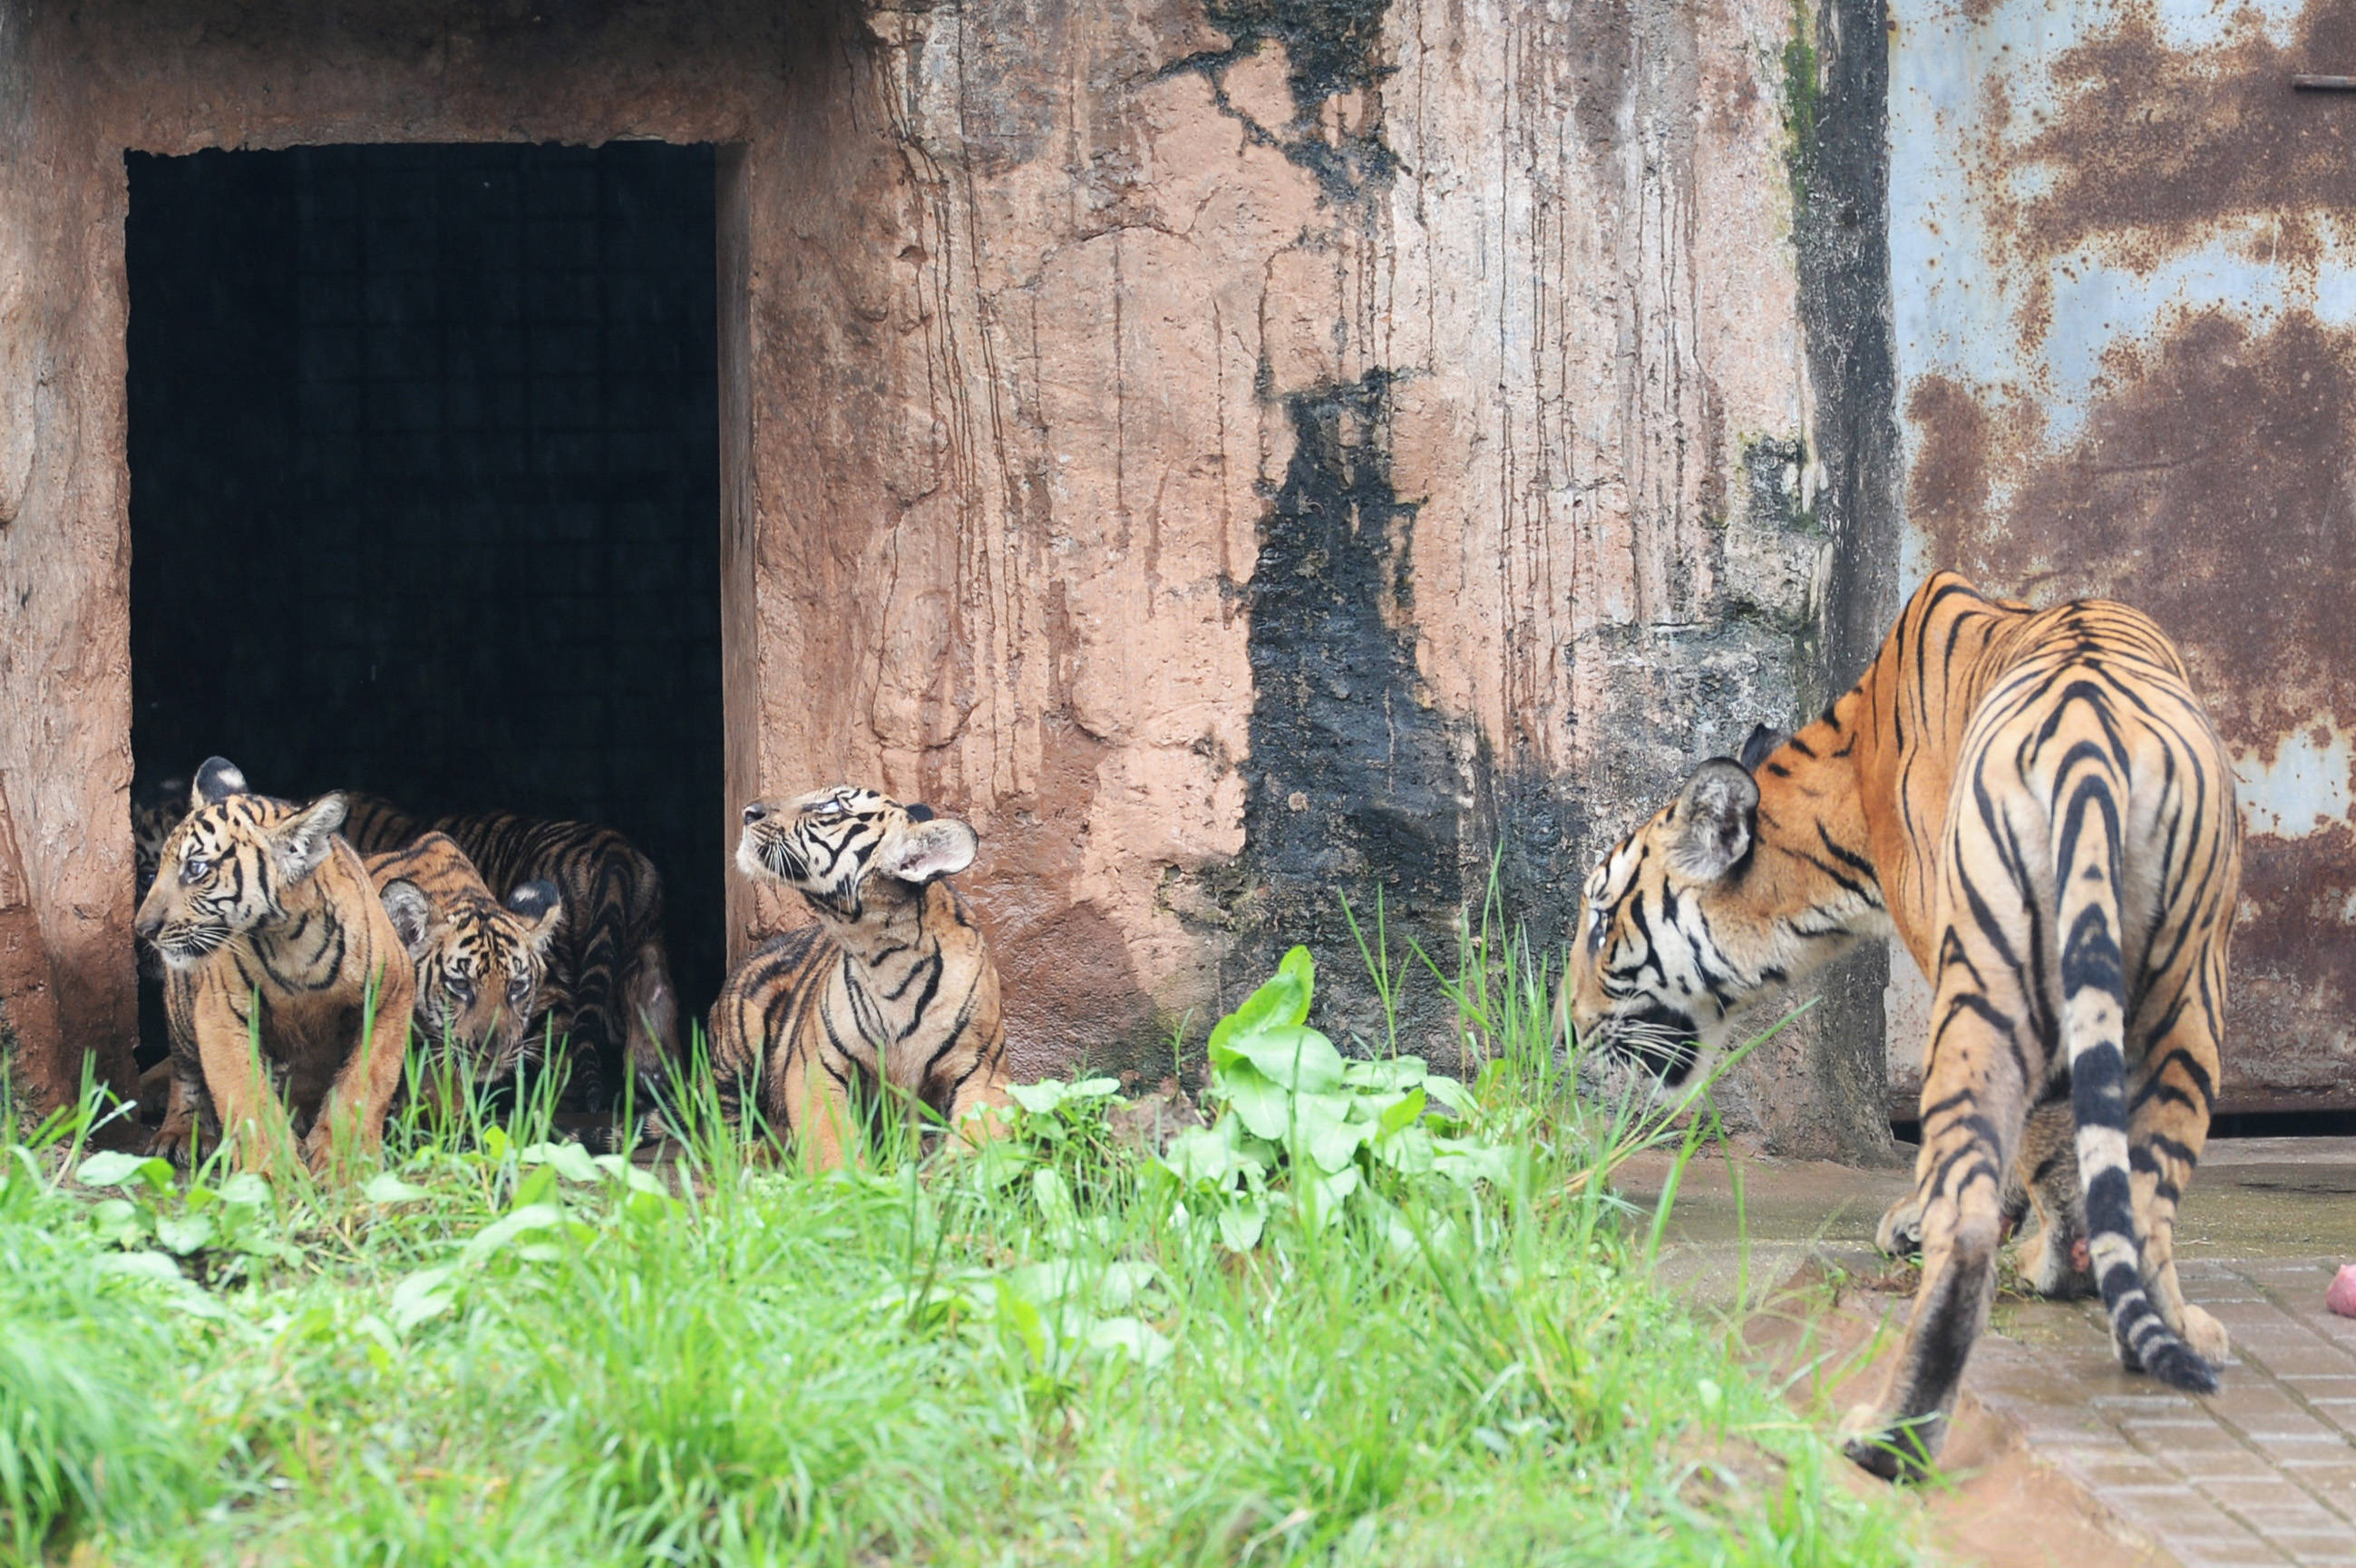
column 1895, row 1451
column 1899, row 1234
column 2206, row 1336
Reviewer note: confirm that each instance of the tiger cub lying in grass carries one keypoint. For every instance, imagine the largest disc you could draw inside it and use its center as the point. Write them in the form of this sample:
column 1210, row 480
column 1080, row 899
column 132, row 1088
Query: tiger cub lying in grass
column 479, row 963
column 892, row 989
column 270, row 933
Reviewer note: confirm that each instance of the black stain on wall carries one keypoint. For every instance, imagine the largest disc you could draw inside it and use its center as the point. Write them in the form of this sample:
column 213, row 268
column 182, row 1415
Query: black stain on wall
column 1356, row 782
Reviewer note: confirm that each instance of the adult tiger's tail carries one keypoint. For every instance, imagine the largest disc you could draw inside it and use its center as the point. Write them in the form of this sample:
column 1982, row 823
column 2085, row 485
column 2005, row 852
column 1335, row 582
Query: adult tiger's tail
column 2086, row 865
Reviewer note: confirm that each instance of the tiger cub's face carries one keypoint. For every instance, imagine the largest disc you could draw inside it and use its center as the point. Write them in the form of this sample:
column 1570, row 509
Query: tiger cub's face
column 844, row 847
column 155, row 813
column 224, row 869
column 480, row 966
column 1670, row 941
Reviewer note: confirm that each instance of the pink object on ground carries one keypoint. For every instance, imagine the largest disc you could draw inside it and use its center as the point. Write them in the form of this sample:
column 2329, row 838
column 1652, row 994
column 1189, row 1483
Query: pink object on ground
column 2341, row 1297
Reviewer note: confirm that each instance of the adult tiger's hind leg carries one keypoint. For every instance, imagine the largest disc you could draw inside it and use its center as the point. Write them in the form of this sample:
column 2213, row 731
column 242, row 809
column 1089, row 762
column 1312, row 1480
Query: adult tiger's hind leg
column 2167, row 1127
column 1973, row 1103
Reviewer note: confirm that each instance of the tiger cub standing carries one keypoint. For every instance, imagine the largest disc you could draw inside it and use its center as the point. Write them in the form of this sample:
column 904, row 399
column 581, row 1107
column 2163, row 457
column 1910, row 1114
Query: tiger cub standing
column 479, row 963
column 2036, row 804
column 606, row 990
column 894, row 988
column 271, row 932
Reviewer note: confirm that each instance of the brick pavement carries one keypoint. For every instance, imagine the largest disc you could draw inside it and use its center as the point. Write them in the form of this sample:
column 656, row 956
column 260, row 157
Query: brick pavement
column 2264, row 1472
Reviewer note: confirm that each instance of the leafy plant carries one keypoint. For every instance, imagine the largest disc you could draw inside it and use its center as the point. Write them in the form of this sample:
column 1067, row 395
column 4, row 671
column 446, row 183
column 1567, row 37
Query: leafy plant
column 1300, row 1128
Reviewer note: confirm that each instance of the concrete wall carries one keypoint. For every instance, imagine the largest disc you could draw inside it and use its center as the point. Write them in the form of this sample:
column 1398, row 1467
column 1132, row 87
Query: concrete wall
column 1235, row 453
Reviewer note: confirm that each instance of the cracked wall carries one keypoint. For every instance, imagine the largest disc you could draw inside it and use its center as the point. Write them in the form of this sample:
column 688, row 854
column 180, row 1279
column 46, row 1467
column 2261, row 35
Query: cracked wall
column 1240, row 454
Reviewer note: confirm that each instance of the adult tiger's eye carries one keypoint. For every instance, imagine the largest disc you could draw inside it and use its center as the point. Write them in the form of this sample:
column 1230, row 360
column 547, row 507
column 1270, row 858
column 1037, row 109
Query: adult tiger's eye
column 194, row 867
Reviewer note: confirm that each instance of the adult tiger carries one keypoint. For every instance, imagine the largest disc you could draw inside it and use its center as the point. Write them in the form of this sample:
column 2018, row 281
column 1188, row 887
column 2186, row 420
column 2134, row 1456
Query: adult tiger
column 892, row 989
column 607, row 989
column 479, row 963
column 2036, row 804
column 272, row 936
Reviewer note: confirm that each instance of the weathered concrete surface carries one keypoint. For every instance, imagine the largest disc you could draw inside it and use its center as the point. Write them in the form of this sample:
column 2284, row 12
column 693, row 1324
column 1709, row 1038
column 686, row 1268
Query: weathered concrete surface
column 1238, row 454
column 31, row 1048
column 2124, row 254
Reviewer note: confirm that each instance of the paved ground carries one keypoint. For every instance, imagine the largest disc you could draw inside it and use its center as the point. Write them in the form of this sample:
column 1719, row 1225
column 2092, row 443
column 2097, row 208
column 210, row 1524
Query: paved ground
column 2264, row 1472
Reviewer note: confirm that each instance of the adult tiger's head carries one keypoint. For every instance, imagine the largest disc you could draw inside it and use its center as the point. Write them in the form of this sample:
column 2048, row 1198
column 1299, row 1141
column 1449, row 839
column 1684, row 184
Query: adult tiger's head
column 480, row 964
column 226, row 866
column 1682, row 923
column 831, row 844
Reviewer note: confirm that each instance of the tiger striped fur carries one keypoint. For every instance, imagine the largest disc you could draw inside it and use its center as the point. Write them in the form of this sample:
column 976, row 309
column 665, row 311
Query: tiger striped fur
column 271, row 931
column 2037, row 805
column 607, row 990
column 894, row 988
column 479, row 963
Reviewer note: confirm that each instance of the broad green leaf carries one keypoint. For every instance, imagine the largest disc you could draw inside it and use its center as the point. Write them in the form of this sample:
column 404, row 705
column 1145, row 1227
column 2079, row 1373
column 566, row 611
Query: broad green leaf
column 570, row 1161
column 1134, row 1337
column 1282, row 1002
column 1448, row 1091
column 1322, row 1195
column 1241, row 1223
column 1409, row 1107
column 1407, row 1151
column 522, row 1221
column 121, row 1222
column 245, row 1190
column 537, row 1187
column 1396, row 1072
column 183, row 1236
column 389, row 1189
column 1024, row 1320
column 113, row 1169
column 421, row 1296
column 1054, row 1196
column 625, row 1171
column 1324, row 1132
column 1468, row 1160
column 1094, row 1088
column 1000, row 1163
column 1265, row 1109
column 143, row 1266
column 495, row 1143
column 1041, row 1098
column 1294, row 1057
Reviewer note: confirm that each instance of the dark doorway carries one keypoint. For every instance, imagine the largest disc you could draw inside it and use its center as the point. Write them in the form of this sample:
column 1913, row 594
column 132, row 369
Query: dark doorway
column 424, row 487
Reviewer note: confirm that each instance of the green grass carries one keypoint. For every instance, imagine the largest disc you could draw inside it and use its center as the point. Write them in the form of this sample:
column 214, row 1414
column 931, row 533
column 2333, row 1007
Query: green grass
column 503, row 1351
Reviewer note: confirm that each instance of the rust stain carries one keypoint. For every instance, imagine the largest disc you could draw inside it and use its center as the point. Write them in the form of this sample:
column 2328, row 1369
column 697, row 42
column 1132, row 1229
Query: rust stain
column 2154, row 146
column 2212, row 488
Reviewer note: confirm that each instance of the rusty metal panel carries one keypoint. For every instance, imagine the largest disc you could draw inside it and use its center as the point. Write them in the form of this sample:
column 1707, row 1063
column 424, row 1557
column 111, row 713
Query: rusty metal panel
column 2123, row 250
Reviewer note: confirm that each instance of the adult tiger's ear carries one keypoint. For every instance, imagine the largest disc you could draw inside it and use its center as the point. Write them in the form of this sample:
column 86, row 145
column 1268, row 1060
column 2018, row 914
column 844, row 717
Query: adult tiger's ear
column 921, row 851
column 217, row 780
column 1764, row 743
column 412, row 915
column 301, row 843
column 1715, row 821
column 542, row 907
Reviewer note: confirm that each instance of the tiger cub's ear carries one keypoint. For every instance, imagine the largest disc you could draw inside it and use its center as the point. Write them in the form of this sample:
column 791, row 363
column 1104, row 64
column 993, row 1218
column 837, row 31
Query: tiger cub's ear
column 1763, row 744
column 413, row 915
column 217, row 780
column 1715, row 820
column 301, row 843
column 921, row 851
column 542, row 907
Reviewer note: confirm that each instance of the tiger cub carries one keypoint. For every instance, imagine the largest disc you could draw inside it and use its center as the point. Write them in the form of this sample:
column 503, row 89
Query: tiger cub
column 479, row 963
column 894, row 983
column 607, row 989
column 2036, row 804
column 271, row 932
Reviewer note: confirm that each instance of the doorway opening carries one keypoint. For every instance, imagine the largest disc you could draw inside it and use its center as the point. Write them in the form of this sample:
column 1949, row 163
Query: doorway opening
column 425, row 487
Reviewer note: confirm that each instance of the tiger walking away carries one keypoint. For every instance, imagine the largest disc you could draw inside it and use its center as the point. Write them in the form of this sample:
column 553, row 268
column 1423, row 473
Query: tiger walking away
column 2036, row 804
column 893, row 990
column 479, row 963
column 606, row 990
column 271, row 932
